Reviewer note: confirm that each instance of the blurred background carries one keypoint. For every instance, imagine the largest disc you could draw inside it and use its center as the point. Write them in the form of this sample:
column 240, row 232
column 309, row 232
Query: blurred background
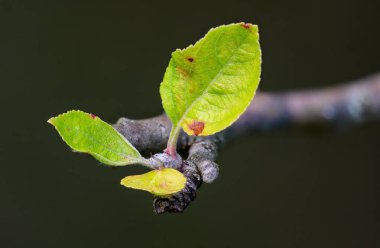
column 282, row 189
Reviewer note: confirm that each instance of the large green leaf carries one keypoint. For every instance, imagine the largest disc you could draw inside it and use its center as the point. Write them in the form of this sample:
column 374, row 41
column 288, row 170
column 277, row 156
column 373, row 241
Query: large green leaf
column 87, row 133
column 158, row 182
column 207, row 86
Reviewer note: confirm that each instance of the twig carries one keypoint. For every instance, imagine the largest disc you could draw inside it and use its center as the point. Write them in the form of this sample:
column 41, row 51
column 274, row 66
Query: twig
column 336, row 107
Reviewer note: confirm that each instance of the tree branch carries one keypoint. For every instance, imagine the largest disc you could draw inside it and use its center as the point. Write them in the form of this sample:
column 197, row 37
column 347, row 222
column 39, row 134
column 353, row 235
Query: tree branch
column 335, row 107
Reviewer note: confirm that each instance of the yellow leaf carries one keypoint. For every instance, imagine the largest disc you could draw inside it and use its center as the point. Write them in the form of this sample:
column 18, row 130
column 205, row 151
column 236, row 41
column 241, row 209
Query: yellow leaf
column 158, row 182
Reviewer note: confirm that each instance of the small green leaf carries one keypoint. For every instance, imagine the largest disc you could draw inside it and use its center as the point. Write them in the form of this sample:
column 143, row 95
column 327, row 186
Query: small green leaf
column 207, row 86
column 158, row 182
column 87, row 133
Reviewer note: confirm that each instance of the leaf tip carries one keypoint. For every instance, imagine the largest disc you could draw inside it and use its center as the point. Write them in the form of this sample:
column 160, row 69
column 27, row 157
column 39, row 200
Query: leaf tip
column 246, row 25
column 124, row 181
column 51, row 121
column 249, row 26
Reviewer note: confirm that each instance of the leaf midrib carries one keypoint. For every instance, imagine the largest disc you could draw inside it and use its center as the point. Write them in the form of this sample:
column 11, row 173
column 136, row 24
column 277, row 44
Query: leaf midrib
column 179, row 123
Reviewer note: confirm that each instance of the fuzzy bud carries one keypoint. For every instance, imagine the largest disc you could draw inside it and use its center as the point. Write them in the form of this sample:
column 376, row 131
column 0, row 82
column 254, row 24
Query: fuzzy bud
column 209, row 170
column 203, row 150
column 169, row 161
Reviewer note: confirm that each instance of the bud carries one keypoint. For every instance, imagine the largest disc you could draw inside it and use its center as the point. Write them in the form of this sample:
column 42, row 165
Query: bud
column 169, row 161
column 209, row 170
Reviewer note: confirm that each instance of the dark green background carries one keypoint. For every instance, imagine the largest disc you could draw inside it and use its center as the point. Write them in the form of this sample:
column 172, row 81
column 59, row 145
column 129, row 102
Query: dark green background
column 283, row 189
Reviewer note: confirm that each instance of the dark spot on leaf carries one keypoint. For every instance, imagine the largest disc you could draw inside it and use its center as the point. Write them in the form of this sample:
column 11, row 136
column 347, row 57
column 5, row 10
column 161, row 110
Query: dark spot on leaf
column 197, row 127
column 190, row 59
column 93, row 116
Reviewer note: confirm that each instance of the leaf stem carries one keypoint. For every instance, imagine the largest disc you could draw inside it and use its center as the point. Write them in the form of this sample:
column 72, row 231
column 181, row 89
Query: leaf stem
column 145, row 162
column 171, row 148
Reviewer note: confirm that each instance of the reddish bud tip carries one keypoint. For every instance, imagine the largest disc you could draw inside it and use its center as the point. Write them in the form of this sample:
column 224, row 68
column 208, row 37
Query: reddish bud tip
column 246, row 25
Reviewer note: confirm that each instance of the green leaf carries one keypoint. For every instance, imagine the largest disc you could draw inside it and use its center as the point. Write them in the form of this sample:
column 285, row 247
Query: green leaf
column 158, row 182
column 87, row 133
column 207, row 86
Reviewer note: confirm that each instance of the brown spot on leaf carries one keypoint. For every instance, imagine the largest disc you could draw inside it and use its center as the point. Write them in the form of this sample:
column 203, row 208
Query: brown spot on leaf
column 190, row 59
column 197, row 127
column 93, row 116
